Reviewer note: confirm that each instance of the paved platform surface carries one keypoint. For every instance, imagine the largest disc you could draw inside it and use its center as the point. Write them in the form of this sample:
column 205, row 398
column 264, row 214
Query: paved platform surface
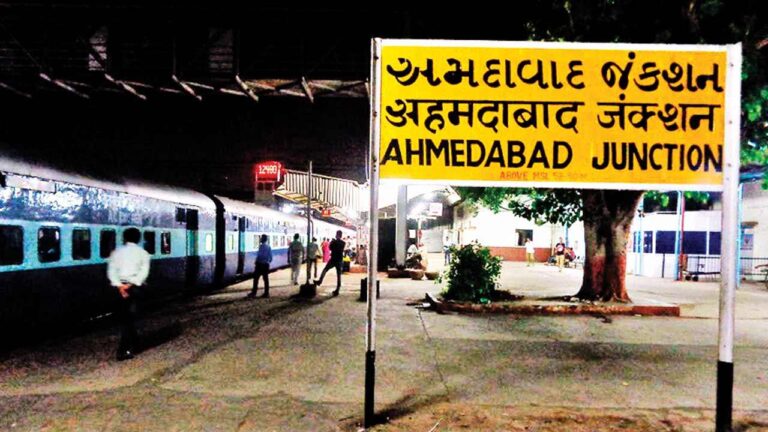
column 224, row 363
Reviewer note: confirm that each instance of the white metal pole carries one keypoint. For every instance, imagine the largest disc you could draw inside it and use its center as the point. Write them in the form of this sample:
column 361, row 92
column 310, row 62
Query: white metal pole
column 739, row 237
column 373, row 218
column 677, row 236
column 401, row 225
column 730, row 232
column 309, row 217
column 642, row 237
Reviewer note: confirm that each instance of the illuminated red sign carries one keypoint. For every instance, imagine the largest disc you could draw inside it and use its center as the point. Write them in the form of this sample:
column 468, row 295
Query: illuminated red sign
column 271, row 171
column 326, row 213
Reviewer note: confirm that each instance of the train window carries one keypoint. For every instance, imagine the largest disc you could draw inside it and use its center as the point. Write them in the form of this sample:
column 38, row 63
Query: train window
column 107, row 242
column 48, row 244
column 81, row 244
column 165, row 243
column 256, row 241
column 11, row 244
column 230, row 242
column 149, row 242
column 209, row 242
column 181, row 215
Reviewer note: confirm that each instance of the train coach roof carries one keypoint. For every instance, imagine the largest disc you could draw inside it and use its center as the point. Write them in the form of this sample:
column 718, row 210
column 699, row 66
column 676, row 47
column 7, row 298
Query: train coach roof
column 250, row 209
column 161, row 192
column 244, row 208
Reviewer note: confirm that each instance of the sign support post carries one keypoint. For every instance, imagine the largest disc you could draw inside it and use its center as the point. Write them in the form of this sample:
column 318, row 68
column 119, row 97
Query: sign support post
column 309, row 219
column 373, row 244
column 730, row 233
column 603, row 116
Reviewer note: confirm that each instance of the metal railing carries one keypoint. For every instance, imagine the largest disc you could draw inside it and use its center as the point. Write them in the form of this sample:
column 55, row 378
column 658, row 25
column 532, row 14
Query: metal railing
column 708, row 266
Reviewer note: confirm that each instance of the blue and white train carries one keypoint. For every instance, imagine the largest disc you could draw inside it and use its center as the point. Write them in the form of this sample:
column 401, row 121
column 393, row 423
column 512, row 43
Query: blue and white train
column 57, row 230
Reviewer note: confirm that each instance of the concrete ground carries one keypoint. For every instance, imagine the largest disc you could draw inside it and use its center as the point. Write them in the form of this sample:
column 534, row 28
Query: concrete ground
column 224, row 363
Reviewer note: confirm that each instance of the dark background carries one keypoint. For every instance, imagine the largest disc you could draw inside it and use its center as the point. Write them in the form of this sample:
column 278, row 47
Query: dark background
column 211, row 145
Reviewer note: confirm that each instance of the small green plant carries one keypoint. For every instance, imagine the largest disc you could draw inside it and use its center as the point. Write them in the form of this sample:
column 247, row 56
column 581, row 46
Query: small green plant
column 472, row 274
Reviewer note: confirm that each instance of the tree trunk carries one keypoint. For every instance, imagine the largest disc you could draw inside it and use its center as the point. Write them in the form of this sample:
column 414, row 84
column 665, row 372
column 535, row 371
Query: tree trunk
column 607, row 219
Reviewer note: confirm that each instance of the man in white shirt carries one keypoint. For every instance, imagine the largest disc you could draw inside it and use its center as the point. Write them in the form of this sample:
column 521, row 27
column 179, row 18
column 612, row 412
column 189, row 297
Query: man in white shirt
column 127, row 270
column 529, row 252
column 412, row 250
column 295, row 258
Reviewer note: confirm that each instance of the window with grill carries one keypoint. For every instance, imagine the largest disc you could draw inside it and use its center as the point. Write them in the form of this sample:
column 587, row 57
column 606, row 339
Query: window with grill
column 165, row 243
column 149, row 242
column 107, row 242
column 665, row 242
column 81, row 244
column 714, row 243
column 11, row 245
column 48, row 244
column 695, row 242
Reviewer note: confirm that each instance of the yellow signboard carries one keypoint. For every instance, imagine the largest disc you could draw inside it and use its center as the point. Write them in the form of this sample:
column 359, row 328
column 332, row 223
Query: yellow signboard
column 569, row 115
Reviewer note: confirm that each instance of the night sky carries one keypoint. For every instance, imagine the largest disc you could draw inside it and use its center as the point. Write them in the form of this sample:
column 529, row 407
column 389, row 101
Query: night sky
column 211, row 145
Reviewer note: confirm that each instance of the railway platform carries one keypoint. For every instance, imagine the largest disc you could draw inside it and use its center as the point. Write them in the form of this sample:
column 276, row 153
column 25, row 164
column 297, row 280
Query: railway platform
column 224, row 362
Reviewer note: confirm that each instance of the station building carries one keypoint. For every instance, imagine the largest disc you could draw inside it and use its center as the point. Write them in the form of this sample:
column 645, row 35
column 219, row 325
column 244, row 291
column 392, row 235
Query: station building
column 505, row 234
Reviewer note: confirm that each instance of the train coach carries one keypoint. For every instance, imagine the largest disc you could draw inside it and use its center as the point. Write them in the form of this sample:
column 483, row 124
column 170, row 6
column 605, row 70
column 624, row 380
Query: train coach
column 57, row 230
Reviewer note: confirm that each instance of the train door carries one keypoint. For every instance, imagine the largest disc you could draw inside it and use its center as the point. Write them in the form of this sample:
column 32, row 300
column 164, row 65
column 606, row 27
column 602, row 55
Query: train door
column 240, row 245
column 193, row 255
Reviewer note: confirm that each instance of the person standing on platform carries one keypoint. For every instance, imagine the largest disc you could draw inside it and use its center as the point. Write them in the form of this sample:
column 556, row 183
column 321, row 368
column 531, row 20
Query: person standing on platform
column 263, row 259
column 337, row 256
column 295, row 257
column 127, row 270
column 560, row 254
column 412, row 250
column 325, row 246
column 313, row 253
column 529, row 253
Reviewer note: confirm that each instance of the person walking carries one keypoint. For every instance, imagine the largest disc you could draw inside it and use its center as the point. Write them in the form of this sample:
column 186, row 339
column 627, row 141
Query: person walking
column 560, row 254
column 313, row 253
column 337, row 255
column 295, row 257
column 263, row 259
column 326, row 248
column 127, row 270
column 529, row 253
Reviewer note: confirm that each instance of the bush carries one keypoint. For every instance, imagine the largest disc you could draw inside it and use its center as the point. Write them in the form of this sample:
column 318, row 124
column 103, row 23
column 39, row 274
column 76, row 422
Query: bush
column 472, row 274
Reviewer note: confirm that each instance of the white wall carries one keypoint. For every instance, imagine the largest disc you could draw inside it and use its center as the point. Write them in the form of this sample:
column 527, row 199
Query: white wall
column 651, row 266
column 700, row 220
column 755, row 211
column 499, row 230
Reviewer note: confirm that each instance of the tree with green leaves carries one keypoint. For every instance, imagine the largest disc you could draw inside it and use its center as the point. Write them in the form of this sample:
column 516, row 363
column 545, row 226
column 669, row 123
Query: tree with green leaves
column 608, row 214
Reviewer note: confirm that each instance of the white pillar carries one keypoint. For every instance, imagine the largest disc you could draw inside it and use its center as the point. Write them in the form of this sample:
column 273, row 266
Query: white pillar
column 401, row 225
column 730, row 241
